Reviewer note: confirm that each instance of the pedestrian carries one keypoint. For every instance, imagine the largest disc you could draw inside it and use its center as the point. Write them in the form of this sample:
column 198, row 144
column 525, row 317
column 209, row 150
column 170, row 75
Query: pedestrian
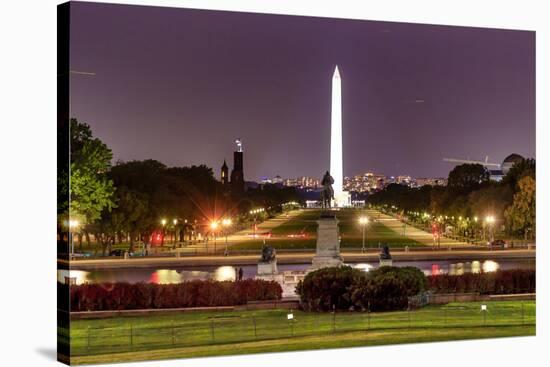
column 240, row 274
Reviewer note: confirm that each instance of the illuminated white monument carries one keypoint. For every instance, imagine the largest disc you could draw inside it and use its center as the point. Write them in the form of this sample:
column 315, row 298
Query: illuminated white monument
column 341, row 197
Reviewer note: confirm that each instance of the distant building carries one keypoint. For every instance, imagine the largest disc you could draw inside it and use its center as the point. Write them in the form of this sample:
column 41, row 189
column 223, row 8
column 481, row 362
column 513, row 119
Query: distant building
column 303, row 182
column 224, row 173
column 423, row 181
column 237, row 174
column 366, row 182
column 277, row 179
column 509, row 162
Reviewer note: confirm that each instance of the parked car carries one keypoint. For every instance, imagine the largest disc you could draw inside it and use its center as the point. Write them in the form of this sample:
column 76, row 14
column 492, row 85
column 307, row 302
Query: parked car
column 497, row 244
column 117, row 252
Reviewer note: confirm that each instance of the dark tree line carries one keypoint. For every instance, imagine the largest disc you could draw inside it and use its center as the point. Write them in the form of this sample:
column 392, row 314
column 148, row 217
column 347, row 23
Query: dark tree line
column 130, row 199
column 470, row 193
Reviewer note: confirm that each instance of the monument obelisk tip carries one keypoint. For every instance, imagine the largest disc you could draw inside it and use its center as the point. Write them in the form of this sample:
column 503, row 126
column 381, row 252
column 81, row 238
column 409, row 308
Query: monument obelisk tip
column 336, row 73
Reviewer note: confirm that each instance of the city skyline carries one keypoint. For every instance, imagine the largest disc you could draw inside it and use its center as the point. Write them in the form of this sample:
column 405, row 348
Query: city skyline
column 414, row 94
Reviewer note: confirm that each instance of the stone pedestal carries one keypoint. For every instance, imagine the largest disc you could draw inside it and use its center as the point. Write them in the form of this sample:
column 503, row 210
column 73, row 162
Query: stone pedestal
column 328, row 243
column 267, row 268
column 386, row 262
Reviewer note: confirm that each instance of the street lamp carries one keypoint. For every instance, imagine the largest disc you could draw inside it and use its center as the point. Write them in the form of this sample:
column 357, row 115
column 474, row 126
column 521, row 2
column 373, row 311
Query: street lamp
column 73, row 224
column 226, row 223
column 254, row 212
column 490, row 220
column 163, row 222
column 174, row 222
column 214, row 226
column 363, row 221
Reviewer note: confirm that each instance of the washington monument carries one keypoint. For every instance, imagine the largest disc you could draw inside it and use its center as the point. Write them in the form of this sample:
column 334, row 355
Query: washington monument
column 341, row 197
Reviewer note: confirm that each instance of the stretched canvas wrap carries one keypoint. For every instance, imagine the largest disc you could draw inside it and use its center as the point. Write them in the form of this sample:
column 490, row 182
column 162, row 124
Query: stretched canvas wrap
column 245, row 183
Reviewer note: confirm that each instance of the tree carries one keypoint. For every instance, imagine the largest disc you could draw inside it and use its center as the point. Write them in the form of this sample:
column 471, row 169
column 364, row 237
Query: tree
column 491, row 199
column 467, row 177
column 526, row 167
column 520, row 216
column 90, row 190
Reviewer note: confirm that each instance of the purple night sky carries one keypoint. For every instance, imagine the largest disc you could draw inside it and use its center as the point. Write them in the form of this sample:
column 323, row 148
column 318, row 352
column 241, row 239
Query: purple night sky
column 179, row 85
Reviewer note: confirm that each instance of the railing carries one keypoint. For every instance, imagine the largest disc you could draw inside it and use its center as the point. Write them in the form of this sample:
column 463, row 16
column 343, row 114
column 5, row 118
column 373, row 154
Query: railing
column 222, row 328
column 194, row 251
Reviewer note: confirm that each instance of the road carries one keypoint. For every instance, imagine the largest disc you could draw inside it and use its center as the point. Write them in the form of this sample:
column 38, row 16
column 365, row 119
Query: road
column 297, row 258
column 416, row 234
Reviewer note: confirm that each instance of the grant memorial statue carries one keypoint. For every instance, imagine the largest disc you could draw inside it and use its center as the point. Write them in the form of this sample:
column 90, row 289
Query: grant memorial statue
column 267, row 266
column 328, row 239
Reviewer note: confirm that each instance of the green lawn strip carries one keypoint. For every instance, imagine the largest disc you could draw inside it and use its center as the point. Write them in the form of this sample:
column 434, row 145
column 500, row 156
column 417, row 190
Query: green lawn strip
column 125, row 334
column 336, row 340
column 351, row 234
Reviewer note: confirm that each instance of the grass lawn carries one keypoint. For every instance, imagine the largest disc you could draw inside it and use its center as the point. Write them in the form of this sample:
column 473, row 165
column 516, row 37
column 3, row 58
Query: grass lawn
column 305, row 225
column 219, row 333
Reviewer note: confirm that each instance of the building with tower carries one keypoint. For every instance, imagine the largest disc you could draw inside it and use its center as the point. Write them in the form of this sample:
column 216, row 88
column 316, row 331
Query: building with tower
column 237, row 173
column 224, row 173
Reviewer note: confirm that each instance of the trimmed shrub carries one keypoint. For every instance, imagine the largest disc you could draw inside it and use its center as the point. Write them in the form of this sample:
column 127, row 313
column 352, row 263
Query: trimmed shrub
column 413, row 279
column 323, row 289
column 197, row 293
column 383, row 289
column 499, row 282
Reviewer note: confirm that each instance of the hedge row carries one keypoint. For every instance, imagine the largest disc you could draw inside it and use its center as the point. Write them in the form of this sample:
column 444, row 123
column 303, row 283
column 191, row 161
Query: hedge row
column 345, row 288
column 197, row 293
column 499, row 282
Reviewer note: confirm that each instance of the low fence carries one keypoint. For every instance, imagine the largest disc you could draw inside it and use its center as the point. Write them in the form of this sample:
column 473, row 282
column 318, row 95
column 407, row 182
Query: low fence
column 212, row 328
column 253, row 305
column 430, row 298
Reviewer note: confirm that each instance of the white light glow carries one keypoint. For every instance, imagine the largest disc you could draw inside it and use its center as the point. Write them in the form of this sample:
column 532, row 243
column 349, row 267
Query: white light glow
column 224, row 273
column 490, row 266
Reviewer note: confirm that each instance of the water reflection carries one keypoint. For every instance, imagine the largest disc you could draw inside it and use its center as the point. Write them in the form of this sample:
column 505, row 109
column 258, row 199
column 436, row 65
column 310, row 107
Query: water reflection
column 363, row 266
column 178, row 275
column 225, row 273
column 490, row 266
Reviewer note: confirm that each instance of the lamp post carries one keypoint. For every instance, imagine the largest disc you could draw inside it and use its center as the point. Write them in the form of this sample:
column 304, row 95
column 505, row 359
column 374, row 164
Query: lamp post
column 363, row 221
column 73, row 224
column 163, row 222
column 214, row 227
column 490, row 220
column 226, row 223
column 175, row 222
column 254, row 213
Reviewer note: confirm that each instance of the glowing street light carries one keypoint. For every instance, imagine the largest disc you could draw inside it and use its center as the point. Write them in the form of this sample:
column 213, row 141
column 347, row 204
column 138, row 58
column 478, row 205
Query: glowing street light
column 174, row 222
column 73, row 225
column 254, row 212
column 226, row 223
column 214, row 226
column 490, row 220
column 363, row 221
column 163, row 222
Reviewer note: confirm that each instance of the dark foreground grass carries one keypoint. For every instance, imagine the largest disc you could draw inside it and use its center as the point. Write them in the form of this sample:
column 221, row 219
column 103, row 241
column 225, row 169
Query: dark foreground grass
column 220, row 333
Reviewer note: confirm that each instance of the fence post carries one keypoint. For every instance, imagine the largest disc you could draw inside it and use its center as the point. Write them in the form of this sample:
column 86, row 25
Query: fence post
column 173, row 334
column 255, row 330
column 368, row 313
column 522, row 314
column 333, row 319
column 213, row 336
column 409, row 313
column 131, row 337
column 88, row 341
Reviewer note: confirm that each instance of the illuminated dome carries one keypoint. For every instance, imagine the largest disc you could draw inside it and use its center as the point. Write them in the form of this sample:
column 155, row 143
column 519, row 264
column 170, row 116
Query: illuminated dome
column 509, row 161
